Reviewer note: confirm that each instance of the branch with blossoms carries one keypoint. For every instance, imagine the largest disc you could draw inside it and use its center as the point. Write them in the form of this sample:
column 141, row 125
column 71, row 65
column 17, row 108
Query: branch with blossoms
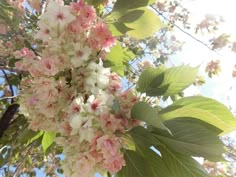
column 81, row 108
column 72, row 97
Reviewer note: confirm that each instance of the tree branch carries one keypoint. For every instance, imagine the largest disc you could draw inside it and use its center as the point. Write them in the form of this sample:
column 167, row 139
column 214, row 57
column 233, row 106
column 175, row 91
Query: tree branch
column 10, row 86
column 10, row 69
column 7, row 117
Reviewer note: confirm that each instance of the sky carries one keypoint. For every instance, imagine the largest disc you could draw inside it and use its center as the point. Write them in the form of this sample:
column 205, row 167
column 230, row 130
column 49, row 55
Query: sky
column 223, row 86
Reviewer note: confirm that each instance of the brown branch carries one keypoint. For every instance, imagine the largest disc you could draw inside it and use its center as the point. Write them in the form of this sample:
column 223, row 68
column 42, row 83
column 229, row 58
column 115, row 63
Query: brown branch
column 7, row 118
column 11, row 110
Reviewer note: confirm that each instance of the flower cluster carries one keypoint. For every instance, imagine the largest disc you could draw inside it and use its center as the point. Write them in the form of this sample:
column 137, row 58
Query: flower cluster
column 69, row 91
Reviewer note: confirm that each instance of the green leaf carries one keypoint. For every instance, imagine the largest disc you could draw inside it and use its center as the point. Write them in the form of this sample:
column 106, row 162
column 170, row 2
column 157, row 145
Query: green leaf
column 178, row 78
column 180, row 165
column 157, row 166
column 12, row 62
column 118, row 28
column 148, row 76
column 205, row 109
column 167, row 82
column 95, row 3
column 109, row 175
column 148, row 24
column 117, row 57
column 116, row 107
column 14, row 79
column 192, row 137
column 142, row 138
column 142, row 111
column 135, row 165
column 148, row 163
column 48, row 139
column 124, row 5
column 26, row 135
column 37, row 136
column 131, row 16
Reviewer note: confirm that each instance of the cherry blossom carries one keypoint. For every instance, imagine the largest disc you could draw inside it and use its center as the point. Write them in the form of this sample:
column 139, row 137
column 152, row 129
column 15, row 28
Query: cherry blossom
column 70, row 92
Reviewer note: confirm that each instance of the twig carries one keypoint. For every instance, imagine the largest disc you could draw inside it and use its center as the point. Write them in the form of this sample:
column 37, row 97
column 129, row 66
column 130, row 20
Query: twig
column 182, row 30
column 9, row 97
column 22, row 160
column 10, row 86
column 10, row 69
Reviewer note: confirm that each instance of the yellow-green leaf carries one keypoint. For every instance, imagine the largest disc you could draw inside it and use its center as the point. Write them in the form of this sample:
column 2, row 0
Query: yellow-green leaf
column 205, row 109
column 117, row 58
column 146, row 25
column 124, row 5
column 48, row 139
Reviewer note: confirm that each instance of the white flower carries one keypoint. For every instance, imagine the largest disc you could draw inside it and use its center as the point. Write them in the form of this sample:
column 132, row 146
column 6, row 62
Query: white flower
column 81, row 55
column 76, row 122
column 45, row 31
column 97, row 77
column 86, row 132
column 57, row 14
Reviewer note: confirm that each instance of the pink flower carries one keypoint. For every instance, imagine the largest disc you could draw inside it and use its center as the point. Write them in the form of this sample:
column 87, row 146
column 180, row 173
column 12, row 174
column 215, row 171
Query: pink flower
column 113, row 160
column 114, row 164
column 75, row 27
column 25, row 53
column 46, row 89
column 100, row 37
column 34, row 70
column 65, row 128
column 3, row 29
column 71, row 93
column 111, row 123
column 85, row 164
column 10, row 45
column 28, row 58
column 32, row 101
column 76, row 6
column 109, row 146
column 127, row 99
column 114, row 83
column 95, row 104
column 98, row 157
column 85, row 15
column 49, row 66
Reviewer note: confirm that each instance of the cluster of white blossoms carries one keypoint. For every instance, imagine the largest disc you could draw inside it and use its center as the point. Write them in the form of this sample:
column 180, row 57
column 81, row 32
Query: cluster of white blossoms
column 70, row 93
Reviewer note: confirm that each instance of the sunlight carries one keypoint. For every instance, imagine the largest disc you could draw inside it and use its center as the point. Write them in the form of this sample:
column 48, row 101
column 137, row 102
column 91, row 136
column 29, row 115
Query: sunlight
column 226, row 9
